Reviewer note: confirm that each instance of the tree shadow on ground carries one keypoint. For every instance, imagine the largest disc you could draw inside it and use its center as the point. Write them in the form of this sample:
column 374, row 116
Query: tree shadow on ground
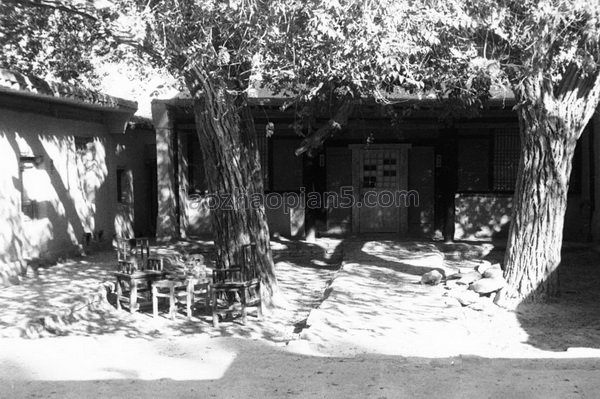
column 573, row 319
column 77, row 298
column 380, row 295
column 379, row 302
column 419, row 257
column 67, row 298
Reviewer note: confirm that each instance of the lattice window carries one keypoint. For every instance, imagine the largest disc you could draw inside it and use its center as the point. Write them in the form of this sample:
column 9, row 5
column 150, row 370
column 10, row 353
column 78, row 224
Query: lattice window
column 380, row 169
column 506, row 159
column 120, row 182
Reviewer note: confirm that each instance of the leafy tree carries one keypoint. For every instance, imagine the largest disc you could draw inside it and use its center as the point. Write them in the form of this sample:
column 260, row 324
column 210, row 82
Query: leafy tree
column 546, row 51
column 549, row 53
column 48, row 43
column 210, row 46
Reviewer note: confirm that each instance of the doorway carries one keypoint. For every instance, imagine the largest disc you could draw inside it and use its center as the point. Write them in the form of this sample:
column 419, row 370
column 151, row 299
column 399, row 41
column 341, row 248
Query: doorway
column 380, row 175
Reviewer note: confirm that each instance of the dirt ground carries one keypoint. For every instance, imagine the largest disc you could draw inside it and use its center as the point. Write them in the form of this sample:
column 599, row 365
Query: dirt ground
column 356, row 324
column 376, row 298
column 79, row 367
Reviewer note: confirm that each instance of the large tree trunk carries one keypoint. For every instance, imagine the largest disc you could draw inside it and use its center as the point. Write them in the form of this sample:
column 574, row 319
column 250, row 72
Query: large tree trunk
column 540, row 202
column 232, row 166
column 550, row 124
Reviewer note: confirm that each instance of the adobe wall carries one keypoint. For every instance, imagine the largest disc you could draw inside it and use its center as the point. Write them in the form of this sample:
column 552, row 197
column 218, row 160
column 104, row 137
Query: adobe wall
column 72, row 191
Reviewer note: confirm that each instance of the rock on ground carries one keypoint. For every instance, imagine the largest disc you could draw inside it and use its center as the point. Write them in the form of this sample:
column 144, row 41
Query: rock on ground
column 487, row 285
column 432, row 278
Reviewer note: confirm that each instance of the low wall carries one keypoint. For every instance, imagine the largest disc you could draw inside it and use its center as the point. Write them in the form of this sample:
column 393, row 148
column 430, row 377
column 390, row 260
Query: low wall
column 196, row 219
column 487, row 216
column 482, row 216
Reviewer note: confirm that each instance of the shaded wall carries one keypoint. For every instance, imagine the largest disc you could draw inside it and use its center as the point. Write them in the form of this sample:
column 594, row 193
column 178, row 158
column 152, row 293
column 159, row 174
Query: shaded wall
column 135, row 155
column 421, row 179
column 59, row 169
column 194, row 207
column 482, row 203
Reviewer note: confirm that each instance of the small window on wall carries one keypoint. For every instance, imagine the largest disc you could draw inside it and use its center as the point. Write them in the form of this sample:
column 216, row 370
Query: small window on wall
column 489, row 162
column 28, row 167
column 507, row 149
column 121, row 188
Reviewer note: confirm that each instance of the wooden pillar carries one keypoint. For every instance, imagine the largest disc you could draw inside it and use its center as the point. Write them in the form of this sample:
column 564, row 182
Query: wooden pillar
column 313, row 176
column 167, row 223
column 446, row 182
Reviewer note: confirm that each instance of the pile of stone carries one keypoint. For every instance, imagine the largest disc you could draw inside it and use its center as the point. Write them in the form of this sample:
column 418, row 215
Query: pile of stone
column 470, row 286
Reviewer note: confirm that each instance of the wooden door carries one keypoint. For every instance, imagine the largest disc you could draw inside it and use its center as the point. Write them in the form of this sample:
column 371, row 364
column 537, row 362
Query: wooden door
column 380, row 175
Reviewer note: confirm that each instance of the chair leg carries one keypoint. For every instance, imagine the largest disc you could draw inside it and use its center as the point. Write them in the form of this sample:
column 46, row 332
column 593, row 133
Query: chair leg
column 119, row 294
column 154, row 301
column 172, row 305
column 215, row 316
column 259, row 309
column 244, row 309
column 189, row 298
column 244, row 314
column 207, row 300
column 133, row 297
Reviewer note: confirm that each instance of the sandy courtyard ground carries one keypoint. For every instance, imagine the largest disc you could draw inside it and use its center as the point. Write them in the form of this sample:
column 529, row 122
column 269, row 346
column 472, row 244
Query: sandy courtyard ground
column 363, row 327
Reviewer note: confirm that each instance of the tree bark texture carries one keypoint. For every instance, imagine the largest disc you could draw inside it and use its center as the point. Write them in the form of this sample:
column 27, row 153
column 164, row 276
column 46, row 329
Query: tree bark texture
column 550, row 125
column 232, row 165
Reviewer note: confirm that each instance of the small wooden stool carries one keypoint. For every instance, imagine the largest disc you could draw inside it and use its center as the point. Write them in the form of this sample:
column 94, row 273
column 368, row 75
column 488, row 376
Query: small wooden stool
column 166, row 289
column 197, row 288
column 174, row 290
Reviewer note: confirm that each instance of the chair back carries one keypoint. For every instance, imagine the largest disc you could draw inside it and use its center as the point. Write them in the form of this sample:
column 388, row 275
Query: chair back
column 123, row 250
column 243, row 271
column 248, row 261
column 127, row 266
column 133, row 247
column 154, row 264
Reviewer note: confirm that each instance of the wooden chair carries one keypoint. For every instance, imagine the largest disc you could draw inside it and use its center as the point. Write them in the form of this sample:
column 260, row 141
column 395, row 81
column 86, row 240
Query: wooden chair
column 136, row 270
column 238, row 286
column 198, row 285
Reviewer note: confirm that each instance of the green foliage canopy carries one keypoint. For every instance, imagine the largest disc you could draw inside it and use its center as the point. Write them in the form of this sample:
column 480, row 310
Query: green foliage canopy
column 321, row 49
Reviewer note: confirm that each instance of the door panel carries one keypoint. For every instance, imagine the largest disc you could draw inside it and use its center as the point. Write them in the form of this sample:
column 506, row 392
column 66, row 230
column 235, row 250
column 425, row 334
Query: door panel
column 379, row 174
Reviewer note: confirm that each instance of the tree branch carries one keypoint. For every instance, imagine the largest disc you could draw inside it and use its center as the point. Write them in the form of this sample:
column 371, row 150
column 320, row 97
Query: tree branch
column 334, row 125
column 83, row 11
column 88, row 11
